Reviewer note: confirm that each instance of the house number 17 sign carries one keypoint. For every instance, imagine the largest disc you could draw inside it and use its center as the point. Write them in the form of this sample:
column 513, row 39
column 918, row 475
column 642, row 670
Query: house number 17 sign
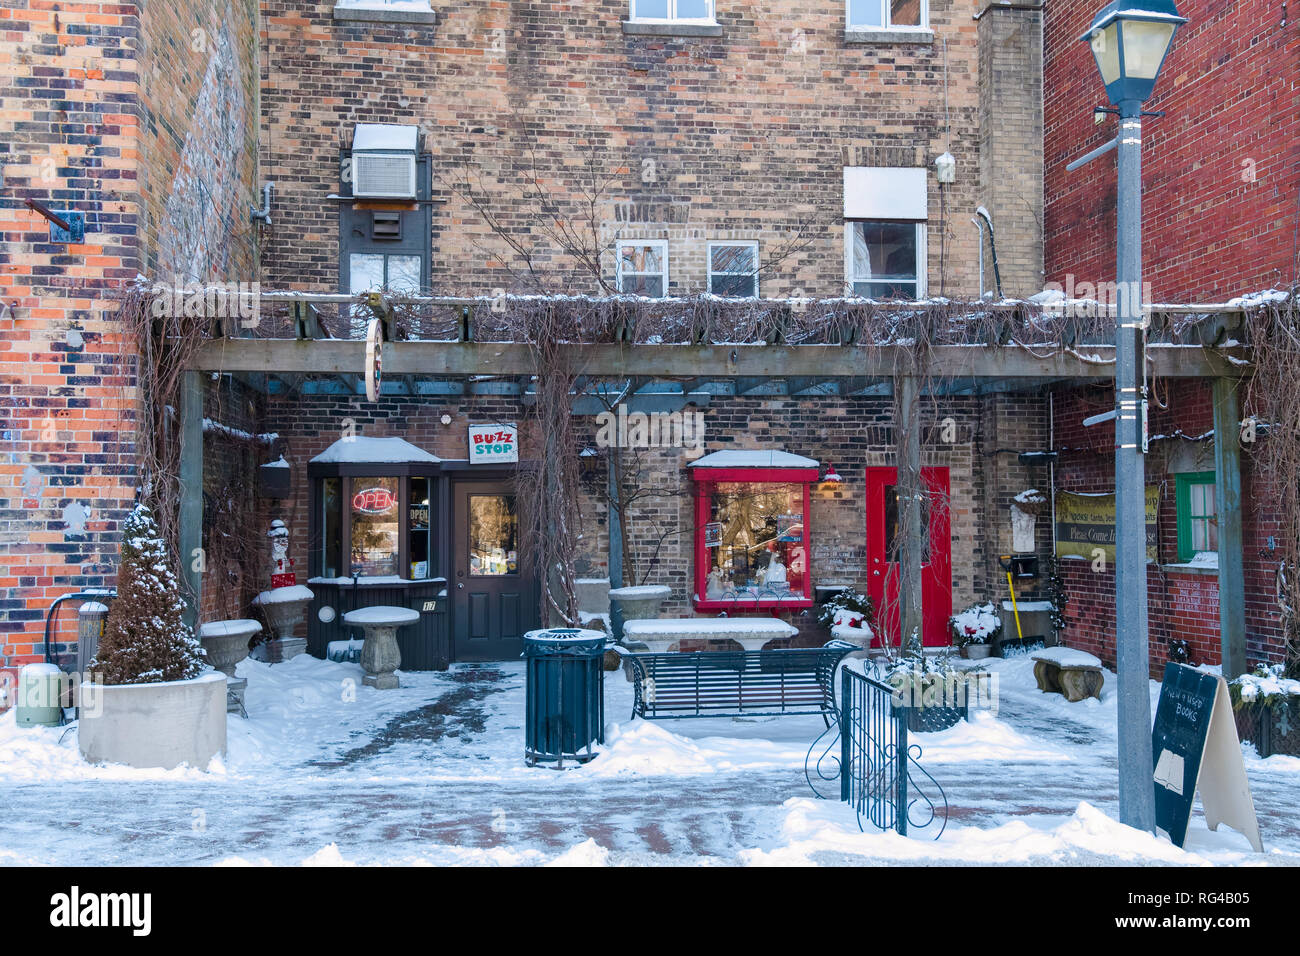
column 489, row 444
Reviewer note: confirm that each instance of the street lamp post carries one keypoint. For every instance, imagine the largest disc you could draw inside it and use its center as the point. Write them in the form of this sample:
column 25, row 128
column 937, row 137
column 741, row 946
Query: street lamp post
column 1129, row 42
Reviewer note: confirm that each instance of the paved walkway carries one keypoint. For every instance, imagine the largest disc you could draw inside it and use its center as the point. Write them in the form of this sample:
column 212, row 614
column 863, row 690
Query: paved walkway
column 370, row 795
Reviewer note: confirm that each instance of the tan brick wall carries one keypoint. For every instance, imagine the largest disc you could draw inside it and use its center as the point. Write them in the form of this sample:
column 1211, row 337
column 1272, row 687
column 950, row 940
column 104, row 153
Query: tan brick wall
column 1011, row 144
column 748, row 133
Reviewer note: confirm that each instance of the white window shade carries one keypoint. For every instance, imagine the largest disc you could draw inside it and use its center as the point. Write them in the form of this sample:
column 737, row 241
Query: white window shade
column 881, row 192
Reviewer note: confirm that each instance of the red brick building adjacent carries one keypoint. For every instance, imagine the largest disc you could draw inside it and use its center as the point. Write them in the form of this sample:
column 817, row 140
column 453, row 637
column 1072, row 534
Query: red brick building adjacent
column 1221, row 218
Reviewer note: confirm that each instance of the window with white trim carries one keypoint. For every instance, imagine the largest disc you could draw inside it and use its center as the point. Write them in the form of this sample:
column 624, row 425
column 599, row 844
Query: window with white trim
column 643, row 267
column 673, row 11
column 886, row 259
column 733, row 269
column 883, row 14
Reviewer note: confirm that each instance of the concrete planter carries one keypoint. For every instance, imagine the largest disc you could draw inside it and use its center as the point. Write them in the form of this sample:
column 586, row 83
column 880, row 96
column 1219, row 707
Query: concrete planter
column 226, row 642
column 154, row 725
column 640, row 603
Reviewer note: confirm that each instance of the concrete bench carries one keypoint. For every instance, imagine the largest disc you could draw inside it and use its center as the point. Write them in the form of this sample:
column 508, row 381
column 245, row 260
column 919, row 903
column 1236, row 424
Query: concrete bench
column 1066, row 671
column 751, row 633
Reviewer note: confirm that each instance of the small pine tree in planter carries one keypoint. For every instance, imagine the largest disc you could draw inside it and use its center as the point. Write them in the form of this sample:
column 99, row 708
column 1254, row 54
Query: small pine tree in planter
column 145, row 638
column 148, row 702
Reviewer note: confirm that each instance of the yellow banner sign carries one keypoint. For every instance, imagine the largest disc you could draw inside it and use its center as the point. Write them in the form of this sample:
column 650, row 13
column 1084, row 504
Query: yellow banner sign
column 1086, row 523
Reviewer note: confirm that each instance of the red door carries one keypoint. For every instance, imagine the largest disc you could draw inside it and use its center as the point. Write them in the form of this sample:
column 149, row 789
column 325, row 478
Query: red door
column 883, row 553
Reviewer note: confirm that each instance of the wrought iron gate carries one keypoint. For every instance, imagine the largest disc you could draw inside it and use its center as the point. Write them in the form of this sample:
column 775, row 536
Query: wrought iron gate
column 878, row 771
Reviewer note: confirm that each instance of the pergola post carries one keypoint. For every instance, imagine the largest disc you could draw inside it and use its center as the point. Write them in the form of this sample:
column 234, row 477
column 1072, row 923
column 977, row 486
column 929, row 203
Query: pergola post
column 910, row 490
column 1227, row 506
column 190, row 530
column 615, row 525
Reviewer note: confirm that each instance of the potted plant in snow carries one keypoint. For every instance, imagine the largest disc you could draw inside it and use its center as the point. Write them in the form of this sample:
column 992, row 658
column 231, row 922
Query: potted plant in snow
column 975, row 629
column 848, row 615
column 933, row 690
column 149, row 701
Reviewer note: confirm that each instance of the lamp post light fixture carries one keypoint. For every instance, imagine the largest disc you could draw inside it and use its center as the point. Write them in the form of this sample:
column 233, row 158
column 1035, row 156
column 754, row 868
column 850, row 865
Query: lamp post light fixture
column 1129, row 39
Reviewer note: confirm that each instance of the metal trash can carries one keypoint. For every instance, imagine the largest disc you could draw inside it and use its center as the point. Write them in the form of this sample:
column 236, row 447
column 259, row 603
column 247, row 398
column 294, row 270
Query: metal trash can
column 565, row 695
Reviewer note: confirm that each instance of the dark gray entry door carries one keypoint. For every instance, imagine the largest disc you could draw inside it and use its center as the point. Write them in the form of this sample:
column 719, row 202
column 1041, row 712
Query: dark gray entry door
column 493, row 591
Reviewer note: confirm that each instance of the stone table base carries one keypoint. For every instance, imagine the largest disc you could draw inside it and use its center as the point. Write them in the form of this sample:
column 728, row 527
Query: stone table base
column 380, row 656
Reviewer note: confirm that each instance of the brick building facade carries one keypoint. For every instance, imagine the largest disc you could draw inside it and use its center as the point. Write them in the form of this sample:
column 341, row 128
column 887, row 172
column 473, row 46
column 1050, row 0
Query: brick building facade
column 776, row 128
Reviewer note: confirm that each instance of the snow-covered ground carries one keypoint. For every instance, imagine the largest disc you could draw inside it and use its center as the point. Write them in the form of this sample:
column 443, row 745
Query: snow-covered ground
column 328, row 772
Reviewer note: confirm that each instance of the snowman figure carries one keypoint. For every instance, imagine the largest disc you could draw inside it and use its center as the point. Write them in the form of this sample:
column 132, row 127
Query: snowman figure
column 282, row 574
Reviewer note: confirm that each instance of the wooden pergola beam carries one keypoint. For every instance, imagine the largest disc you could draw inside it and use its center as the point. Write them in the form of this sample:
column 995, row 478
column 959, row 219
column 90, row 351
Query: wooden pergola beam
column 454, row 359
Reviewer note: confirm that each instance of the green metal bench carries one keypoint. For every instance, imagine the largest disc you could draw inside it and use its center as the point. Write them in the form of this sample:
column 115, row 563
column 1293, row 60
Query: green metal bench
column 737, row 683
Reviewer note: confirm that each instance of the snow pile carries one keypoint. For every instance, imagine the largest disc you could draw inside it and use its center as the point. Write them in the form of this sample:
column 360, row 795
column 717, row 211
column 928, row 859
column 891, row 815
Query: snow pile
column 983, row 737
column 587, row 853
column 649, row 748
column 816, row 831
column 40, row 755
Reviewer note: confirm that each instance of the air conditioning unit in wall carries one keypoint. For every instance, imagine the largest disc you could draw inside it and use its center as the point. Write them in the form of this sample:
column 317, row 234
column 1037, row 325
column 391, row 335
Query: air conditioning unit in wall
column 383, row 161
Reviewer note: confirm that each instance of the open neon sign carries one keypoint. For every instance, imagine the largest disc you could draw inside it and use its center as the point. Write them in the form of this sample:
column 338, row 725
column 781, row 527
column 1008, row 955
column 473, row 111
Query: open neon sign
column 373, row 501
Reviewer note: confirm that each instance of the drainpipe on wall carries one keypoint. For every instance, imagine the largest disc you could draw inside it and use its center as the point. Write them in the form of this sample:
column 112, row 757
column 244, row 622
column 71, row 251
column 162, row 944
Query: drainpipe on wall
column 263, row 215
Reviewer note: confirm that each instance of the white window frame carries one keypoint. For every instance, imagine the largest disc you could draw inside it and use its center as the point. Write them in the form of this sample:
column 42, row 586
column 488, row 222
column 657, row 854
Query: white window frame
column 660, row 244
column 884, row 18
column 922, row 254
column 708, row 264
column 672, row 14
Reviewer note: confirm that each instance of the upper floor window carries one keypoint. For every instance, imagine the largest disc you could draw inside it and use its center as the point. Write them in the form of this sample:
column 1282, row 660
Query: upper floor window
column 882, row 14
column 885, row 210
column 643, row 268
column 689, row 11
column 886, row 259
column 733, row 269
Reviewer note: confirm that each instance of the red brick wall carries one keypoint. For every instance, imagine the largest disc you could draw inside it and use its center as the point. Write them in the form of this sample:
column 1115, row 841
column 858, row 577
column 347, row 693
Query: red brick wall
column 1182, row 603
column 1221, row 170
column 100, row 99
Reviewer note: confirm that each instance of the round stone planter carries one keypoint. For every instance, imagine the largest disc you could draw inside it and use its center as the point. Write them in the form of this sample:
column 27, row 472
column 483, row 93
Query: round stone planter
column 226, row 642
column 154, row 725
column 640, row 603
column 283, row 608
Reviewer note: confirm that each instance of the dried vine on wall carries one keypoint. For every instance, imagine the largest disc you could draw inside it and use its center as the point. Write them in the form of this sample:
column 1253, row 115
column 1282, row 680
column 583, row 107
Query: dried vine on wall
column 1273, row 402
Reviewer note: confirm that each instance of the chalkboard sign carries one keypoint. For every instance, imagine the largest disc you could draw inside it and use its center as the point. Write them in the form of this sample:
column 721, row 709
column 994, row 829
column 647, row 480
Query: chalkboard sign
column 1194, row 746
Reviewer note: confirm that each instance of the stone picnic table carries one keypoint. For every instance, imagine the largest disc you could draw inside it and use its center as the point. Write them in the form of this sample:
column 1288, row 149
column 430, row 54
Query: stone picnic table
column 380, row 655
column 659, row 634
